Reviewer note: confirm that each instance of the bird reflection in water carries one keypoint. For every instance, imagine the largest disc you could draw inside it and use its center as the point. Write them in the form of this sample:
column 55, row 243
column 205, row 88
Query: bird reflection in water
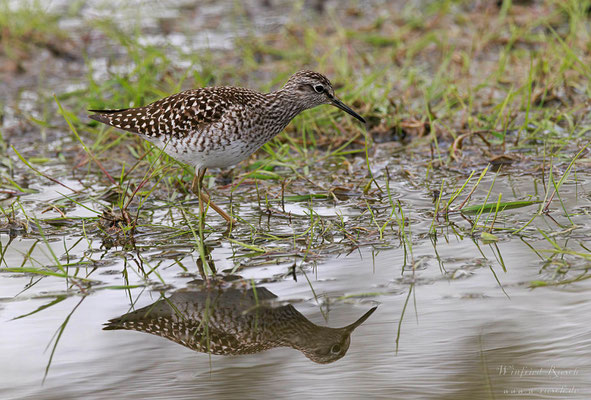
column 229, row 319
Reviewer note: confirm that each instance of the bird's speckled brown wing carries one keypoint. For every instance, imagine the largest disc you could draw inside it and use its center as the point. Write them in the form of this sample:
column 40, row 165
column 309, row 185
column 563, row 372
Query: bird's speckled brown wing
column 177, row 115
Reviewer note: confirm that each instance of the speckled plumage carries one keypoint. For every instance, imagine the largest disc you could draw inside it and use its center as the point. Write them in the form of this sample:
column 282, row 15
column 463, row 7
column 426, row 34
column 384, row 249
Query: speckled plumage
column 221, row 126
column 233, row 321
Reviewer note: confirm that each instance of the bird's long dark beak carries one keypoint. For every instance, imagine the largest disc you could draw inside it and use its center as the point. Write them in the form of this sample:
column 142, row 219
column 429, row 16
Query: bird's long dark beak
column 337, row 103
column 361, row 320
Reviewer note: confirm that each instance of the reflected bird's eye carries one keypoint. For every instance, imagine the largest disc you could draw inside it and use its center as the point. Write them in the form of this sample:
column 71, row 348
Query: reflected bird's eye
column 335, row 349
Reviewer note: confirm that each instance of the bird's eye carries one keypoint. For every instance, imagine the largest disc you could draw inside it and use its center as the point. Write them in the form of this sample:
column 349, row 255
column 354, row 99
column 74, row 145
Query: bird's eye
column 319, row 88
column 335, row 349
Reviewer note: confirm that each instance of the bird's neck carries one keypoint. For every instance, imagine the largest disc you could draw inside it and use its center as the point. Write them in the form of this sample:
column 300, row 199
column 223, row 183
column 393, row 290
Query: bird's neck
column 292, row 329
column 284, row 106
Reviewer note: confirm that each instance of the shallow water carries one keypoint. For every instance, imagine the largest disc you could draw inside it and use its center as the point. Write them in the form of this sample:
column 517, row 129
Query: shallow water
column 470, row 329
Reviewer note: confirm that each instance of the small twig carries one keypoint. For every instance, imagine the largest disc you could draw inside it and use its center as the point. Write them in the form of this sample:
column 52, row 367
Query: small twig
column 53, row 206
column 137, row 163
column 546, row 208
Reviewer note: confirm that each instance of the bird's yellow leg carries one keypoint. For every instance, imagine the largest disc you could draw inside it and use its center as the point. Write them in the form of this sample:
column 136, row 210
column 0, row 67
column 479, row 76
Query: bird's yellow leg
column 204, row 199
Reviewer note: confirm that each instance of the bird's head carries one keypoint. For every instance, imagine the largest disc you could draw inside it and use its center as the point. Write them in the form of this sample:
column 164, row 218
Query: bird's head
column 312, row 89
column 326, row 345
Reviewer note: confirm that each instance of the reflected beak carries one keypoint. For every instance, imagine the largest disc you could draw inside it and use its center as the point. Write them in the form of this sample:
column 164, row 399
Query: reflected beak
column 364, row 317
column 339, row 104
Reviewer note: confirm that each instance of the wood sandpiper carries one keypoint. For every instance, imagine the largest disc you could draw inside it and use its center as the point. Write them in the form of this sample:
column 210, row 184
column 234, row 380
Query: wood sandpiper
column 232, row 321
column 221, row 126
